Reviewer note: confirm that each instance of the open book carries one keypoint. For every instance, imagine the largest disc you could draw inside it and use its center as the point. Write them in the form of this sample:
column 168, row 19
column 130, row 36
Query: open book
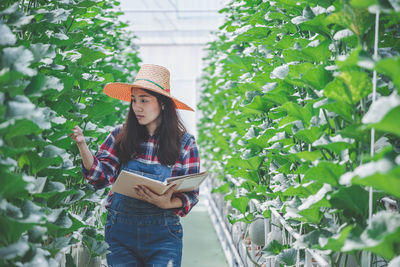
column 127, row 180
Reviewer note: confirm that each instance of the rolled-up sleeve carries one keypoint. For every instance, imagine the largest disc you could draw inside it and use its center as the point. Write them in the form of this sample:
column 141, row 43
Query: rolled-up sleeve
column 191, row 165
column 105, row 163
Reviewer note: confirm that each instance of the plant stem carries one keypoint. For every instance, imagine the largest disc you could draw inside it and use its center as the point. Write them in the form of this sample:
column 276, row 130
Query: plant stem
column 330, row 153
column 72, row 21
column 323, row 154
column 327, row 120
column 248, row 255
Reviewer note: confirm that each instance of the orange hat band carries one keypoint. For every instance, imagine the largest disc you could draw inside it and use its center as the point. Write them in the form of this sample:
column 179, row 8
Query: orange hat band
column 167, row 90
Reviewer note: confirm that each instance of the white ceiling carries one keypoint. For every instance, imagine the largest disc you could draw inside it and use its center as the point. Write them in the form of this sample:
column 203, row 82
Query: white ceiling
column 173, row 21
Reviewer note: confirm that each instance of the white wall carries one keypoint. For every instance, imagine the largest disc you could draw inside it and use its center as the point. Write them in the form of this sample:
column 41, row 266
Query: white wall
column 174, row 33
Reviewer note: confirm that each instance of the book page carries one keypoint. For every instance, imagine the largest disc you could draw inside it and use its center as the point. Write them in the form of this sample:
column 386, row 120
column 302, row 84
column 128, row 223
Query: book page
column 189, row 183
column 187, row 176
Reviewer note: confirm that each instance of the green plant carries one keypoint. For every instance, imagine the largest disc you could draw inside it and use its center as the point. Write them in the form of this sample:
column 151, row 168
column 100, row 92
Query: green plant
column 287, row 117
column 55, row 57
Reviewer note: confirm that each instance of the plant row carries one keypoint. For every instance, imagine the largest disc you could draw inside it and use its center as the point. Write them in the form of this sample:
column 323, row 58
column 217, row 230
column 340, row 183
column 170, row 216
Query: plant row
column 55, row 57
column 289, row 114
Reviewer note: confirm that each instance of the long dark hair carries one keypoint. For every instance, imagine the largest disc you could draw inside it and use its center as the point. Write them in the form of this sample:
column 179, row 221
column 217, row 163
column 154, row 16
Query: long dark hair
column 171, row 130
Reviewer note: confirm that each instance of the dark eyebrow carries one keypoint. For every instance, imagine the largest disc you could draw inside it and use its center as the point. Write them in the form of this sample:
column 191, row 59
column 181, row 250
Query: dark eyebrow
column 141, row 96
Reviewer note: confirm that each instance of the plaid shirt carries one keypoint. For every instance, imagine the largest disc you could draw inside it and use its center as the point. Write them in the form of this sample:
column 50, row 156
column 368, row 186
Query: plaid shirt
column 106, row 166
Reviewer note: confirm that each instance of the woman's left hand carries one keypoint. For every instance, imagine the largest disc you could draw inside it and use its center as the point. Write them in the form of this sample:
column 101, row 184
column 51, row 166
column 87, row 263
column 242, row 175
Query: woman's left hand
column 165, row 201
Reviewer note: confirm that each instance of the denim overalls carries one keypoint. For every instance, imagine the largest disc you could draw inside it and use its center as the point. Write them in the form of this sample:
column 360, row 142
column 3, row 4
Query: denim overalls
column 140, row 233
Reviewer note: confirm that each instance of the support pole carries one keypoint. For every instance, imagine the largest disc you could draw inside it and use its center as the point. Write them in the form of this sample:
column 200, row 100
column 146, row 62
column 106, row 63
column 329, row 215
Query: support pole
column 375, row 57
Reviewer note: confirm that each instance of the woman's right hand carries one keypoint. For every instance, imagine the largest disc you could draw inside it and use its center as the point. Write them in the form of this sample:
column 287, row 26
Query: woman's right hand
column 77, row 135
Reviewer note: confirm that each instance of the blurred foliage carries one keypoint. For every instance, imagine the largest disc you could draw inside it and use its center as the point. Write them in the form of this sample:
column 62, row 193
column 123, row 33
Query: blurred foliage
column 55, row 58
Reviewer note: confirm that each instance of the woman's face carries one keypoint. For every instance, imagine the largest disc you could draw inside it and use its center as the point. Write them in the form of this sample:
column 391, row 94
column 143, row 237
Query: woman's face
column 146, row 108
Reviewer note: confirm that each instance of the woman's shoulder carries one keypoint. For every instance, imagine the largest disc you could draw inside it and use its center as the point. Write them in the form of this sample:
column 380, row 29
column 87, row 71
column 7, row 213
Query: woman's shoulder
column 188, row 140
column 116, row 129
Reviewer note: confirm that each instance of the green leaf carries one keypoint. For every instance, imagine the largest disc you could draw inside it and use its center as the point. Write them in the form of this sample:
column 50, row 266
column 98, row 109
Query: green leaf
column 363, row 3
column 10, row 9
column 7, row 37
column 12, row 184
column 19, row 18
column 257, row 104
column 380, row 108
column 58, row 244
column 382, row 236
column 317, row 25
column 320, row 53
column 391, row 68
column 312, row 215
column 382, row 175
column 309, row 135
column 43, row 53
column 301, row 113
column 254, row 33
column 275, row 97
column 310, row 155
column 36, row 162
column 318, row 199
column 17, row 249
column 223, row 189
column 37, row 234
column 8, row 78
column 99, row 109
column 357, row 58
column 336, row 241
column 358, row 20
column 18, row 59
column 351, row 201
column 288, row 257
column 340, row 108
column 317, row 77
column 325, row 172
column 57, row 16
column 240, row 203
column 75, row 197
column 11, row 230
column 390, row 123
column 97, row 248
column 89, row 56
column 313, row 237
column 349, row 87
column 61, row 223
column 336, row 144
column 22, row 108
column 251, row 163
column 273, row 248
column 40, row 83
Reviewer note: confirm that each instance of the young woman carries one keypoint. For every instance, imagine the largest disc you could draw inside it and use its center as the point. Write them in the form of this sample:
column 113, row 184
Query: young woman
column 152, row 142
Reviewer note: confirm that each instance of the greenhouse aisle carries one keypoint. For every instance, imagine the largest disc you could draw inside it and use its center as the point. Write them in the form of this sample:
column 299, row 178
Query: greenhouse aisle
column 201, row 246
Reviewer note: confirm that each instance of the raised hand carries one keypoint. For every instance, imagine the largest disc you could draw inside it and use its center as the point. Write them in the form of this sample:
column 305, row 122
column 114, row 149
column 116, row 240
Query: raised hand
column 77, row 135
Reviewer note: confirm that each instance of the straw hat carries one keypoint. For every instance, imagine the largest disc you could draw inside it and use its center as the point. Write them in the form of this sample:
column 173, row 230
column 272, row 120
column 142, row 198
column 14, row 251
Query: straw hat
column 151, row 77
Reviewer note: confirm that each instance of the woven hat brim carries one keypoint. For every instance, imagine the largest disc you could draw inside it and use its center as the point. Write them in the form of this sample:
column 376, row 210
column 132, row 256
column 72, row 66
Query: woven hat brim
column 122, row 91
